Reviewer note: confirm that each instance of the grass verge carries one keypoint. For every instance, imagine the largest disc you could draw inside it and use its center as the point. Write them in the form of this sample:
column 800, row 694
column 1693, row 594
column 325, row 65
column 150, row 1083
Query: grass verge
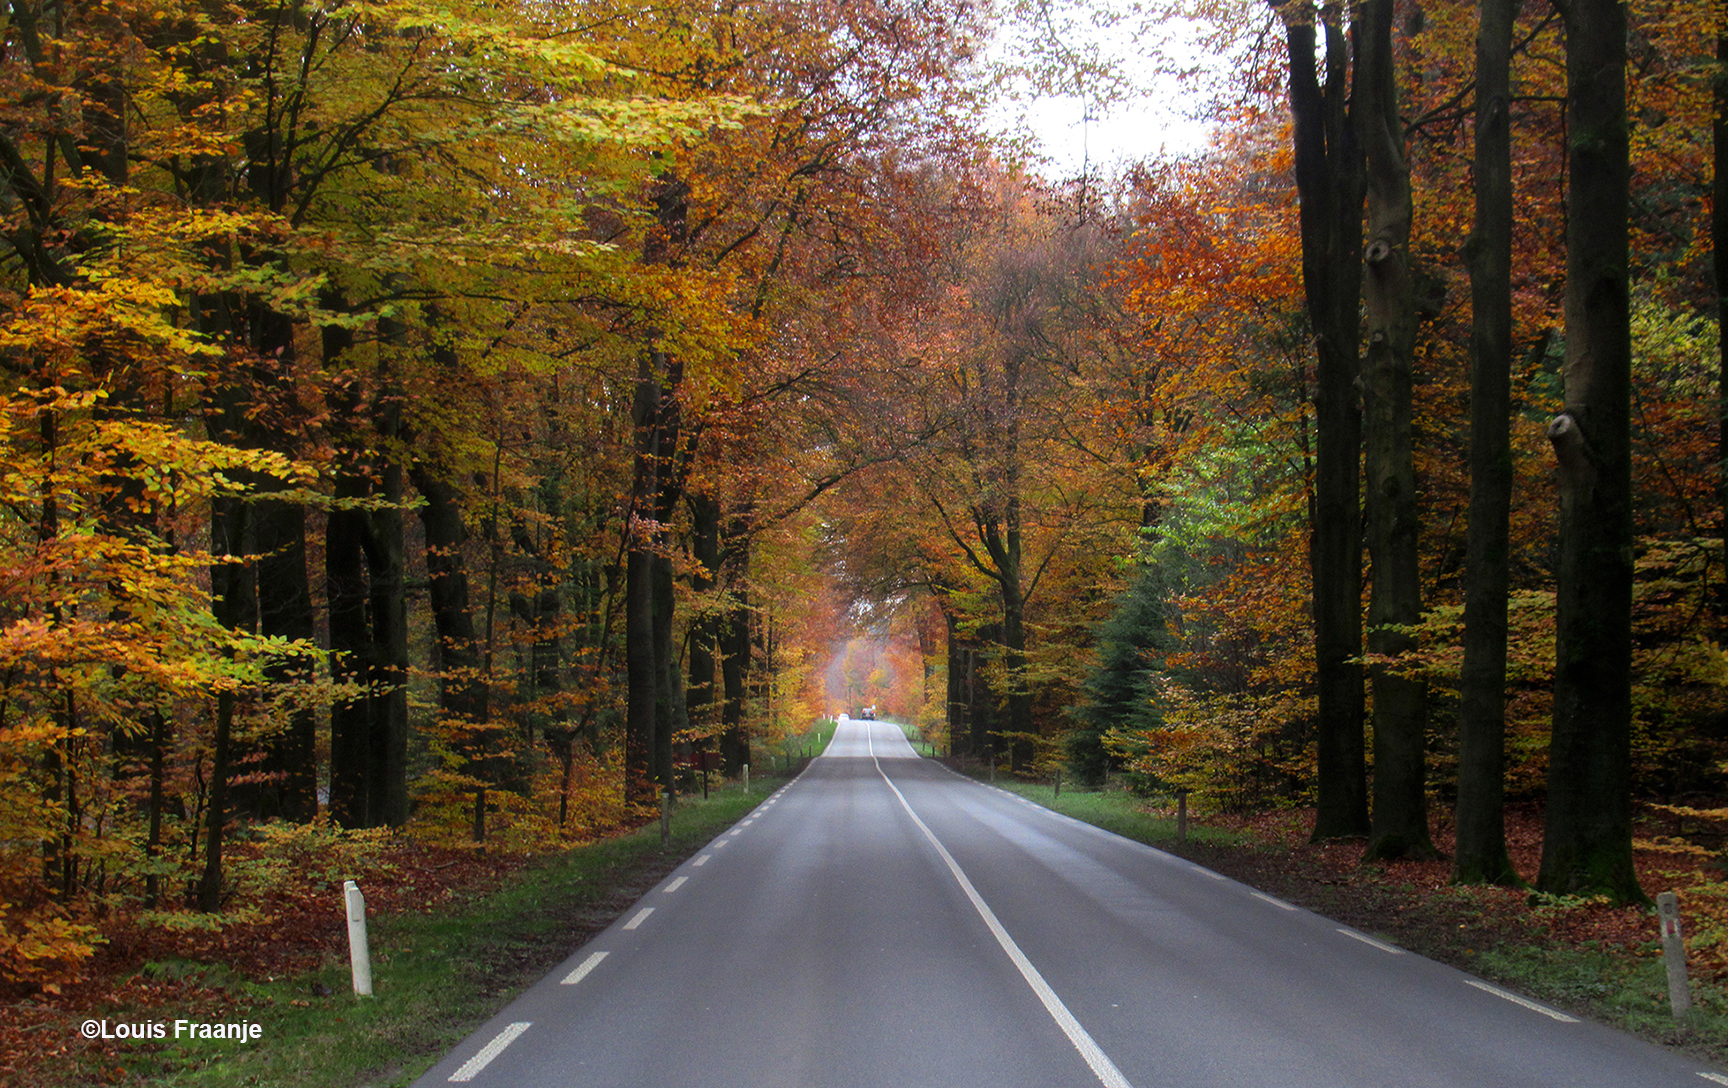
column 436, row 975
column 1625, row 991
column 1115, row 811
column 916, row 739
column 806, row 745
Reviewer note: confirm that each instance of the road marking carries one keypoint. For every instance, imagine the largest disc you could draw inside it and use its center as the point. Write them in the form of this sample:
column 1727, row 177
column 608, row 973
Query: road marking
column 677, row 883
column 1102, row 1066
column 719, row 844
column 746, row 823
column 1552, row 1014
column 582, row 970
column 1210, row 873
column 1271, row 900
column 1367, row 940
column 700, row 860
column 1714, row 1078
column 491, row 1050
column 641, row 916
column 736, row 831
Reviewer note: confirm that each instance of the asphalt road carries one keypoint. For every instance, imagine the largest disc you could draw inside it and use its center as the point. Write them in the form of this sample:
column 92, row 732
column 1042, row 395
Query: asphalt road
column 881, row 921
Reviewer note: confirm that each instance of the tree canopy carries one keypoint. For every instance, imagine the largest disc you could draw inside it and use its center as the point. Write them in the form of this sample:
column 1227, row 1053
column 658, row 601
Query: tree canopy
column 471, row 418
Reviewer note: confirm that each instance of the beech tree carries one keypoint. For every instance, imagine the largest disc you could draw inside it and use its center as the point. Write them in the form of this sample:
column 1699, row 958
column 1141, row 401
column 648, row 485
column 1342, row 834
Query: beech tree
column 1399, row 825
column 1330, row 186
column 1480, row 855
column 1587, row 837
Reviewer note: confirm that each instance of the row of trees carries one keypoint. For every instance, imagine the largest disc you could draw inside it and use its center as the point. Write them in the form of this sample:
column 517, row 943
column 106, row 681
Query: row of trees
column 461, row 414
column 1410, row 401
column 1580, row 314
column 395, row 421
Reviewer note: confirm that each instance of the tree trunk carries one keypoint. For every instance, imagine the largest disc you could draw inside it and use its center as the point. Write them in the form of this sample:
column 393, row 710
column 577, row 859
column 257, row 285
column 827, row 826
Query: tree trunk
column 285, row 611
column 959, row 728
column 1400, row 817
column 1481, row 856
column 368, row 616
column 641, row 677
column 1719, row 243
column 235, row 608
column 669, row 687
column 1587, row 839
column 387, row 584
column 159, row 737
column 700, row 694
column 734, row 677
column 464, row 688
column 368, row 630
column 278, row 531
column 1329, row 184
column 462, row 691
column 351, row 655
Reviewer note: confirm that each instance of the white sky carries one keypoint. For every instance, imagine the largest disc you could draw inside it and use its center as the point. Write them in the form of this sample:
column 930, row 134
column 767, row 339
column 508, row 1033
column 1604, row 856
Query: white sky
column 1149, row 115
column 1132, row 131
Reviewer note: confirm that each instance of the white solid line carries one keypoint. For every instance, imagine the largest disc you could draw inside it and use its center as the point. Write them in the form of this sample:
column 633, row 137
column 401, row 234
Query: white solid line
column 700, row 860
column 489, row 1051
column 1210, row 873
column 1367, row 940
column 678, row 882
column 1102, row 1066
column 1271, row 900
column 641, row 916
column 1552, row 1014
column 582, row 970
column 1714, row 1078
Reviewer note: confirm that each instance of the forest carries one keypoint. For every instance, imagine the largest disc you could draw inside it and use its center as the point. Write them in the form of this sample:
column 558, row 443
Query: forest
column 468, row 421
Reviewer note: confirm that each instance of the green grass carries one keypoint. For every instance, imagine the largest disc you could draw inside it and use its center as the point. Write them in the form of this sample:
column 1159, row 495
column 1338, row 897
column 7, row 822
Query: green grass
column 1621, row 990
column 1113, row 810
column 807, row 744
column 437, row 976
column 918, row 743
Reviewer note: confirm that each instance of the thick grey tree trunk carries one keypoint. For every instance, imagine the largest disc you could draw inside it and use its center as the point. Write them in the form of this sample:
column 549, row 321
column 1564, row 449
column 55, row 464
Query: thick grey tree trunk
column 1480, row 855
column 1400, row 815
column 1587, row 839
column 1330, row 187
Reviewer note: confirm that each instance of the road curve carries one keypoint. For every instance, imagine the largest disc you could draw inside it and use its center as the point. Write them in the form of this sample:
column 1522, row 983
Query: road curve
column 881, row 921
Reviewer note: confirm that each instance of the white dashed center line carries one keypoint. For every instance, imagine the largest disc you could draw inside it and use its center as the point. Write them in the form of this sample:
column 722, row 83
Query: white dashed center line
column 676, row 884
column 641, row 916
column 701, row 860
column 582, row 970
column 491, row 1050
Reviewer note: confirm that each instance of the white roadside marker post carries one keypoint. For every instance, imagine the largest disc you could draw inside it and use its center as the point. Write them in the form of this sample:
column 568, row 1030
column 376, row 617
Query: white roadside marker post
column 746, row 778
column 1674, row 954
column 359, row 955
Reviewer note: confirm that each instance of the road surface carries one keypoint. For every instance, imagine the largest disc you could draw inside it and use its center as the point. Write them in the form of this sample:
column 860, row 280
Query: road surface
column 881, row 922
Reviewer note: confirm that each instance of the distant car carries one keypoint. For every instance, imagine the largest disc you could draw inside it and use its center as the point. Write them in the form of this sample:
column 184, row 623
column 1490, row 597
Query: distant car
column 868, row 714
